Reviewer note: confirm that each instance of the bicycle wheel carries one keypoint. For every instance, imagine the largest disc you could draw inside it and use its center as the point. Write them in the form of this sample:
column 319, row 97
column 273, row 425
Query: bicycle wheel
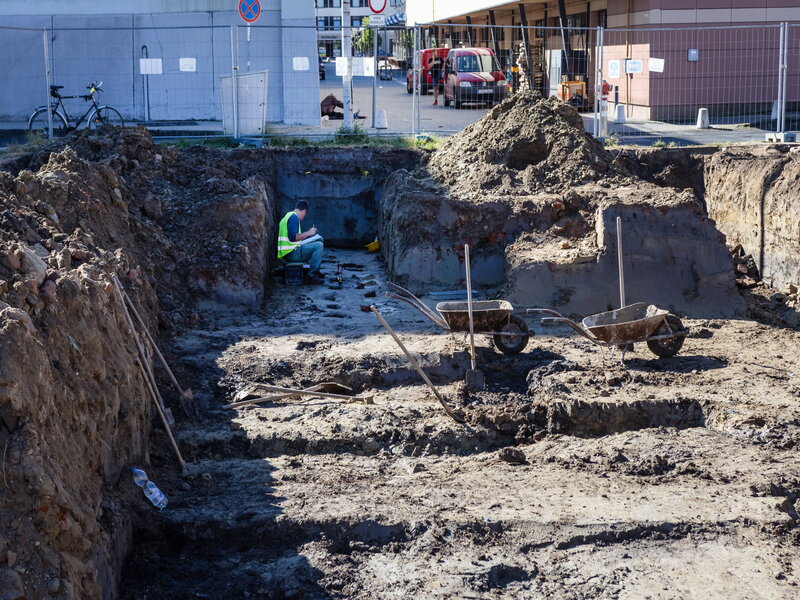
column 37, row 124
column 105, row 115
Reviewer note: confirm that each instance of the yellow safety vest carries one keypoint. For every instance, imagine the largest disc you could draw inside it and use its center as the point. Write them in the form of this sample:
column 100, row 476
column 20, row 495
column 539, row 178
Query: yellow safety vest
column 285, row 245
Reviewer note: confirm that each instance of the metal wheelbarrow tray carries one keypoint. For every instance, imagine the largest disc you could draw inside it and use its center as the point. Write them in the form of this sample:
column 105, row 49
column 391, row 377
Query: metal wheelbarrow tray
column 640, row 322
column 491, row 317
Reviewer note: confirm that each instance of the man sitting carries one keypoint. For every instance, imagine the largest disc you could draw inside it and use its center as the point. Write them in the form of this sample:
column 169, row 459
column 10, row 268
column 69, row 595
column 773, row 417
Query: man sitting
column 295, row 245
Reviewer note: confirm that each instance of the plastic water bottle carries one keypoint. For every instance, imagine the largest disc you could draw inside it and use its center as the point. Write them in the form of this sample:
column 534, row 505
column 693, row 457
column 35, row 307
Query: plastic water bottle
column 150, row 489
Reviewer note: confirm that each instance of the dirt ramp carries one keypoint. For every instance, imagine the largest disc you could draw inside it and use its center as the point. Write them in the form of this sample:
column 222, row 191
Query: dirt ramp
column 524, row 145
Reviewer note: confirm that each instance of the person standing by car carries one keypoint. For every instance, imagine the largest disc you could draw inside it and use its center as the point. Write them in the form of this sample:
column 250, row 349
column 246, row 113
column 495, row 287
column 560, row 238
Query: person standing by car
column 435, row 65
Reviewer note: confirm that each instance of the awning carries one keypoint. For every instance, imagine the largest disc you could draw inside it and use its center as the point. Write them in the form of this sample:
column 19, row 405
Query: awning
column 396, row 20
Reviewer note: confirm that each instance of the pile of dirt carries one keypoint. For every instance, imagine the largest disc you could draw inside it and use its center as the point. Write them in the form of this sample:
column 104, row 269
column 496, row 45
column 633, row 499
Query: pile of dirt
column 524, row 145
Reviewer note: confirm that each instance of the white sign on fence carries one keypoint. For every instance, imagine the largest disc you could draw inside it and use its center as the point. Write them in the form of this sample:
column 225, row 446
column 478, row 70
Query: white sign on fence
column 187, row 65
column 363, row 66
column 655, row 65
column 634, row 66
column 300, row 63
column 613, row 69
column 341, row 66
column 150, row 66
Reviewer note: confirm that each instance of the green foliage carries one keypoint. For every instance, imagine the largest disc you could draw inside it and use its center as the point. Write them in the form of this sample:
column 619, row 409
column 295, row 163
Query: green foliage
column 362, row 39
column 211, row 142
column 350, row 137
column 610, row 141
column 659, row 144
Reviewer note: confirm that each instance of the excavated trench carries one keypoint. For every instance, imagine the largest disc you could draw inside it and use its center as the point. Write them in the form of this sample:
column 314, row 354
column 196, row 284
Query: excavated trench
column 622, row 471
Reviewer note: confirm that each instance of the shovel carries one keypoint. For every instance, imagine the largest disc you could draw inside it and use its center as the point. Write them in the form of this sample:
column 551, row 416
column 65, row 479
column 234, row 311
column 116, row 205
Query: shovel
column 475, row 379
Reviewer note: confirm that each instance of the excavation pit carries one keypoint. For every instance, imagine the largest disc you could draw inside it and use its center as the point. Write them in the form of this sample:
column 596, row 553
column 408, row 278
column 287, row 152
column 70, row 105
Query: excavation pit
column 662, row 464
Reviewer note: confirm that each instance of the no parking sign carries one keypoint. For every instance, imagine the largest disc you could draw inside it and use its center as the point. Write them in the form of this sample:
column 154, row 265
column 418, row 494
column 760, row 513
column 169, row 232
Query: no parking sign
column 377, row 6
column 250, row 10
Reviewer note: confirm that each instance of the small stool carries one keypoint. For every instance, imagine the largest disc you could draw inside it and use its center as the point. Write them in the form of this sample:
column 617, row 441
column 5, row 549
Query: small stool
column 293, row 273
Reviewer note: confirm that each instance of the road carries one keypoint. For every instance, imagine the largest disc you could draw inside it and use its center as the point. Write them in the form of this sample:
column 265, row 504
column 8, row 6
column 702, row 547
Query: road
column 393, row 97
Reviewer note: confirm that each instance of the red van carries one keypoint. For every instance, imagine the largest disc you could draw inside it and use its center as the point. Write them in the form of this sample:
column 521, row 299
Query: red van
column 427, row 82
column 473, row 75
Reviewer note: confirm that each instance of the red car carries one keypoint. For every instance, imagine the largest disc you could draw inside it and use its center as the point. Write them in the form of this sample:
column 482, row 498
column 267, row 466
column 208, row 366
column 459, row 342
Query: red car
column 427, row 81
column 473, row 75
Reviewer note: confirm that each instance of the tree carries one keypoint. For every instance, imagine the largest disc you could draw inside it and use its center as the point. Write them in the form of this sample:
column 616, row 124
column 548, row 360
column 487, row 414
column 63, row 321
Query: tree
column 362, row 39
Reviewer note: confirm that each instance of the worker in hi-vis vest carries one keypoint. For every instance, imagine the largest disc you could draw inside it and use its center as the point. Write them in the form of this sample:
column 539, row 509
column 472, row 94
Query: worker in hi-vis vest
column 295, row 245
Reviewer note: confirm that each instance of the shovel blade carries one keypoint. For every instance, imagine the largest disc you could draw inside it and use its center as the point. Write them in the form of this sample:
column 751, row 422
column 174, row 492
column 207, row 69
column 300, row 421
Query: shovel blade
column 475, row 380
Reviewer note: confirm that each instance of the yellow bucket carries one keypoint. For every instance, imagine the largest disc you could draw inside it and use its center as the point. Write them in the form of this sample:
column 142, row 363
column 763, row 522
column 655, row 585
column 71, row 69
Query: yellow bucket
column 373, row 246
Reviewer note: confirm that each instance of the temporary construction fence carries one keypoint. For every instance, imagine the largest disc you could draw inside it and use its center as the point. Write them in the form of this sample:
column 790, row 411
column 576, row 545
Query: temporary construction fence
column 250, row 80
column 657, row 82
column 239, row 80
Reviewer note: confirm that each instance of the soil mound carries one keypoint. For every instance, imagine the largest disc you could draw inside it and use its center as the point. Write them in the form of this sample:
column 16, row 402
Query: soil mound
column 522, row 146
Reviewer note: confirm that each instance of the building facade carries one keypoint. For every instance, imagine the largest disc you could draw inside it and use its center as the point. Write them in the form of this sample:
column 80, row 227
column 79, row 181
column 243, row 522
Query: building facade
column 329, row 24
column 664, row 59
column 189, row 45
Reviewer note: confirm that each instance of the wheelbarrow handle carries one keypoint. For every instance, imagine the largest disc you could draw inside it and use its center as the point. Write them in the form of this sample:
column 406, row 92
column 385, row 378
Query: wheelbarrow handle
column 421, row 307
column 574, row 326
column 546, row 311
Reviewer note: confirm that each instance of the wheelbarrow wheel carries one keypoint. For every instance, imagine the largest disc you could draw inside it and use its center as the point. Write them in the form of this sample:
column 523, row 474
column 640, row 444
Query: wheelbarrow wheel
column 667, row 347
column 513, row 336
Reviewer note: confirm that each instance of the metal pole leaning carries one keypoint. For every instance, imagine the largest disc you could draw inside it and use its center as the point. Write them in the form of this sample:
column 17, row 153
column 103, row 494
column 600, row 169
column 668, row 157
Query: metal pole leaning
column 416, row 366
column 48, row 83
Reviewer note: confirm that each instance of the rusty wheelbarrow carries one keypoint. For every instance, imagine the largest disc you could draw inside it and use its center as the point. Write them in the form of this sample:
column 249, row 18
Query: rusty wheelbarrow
column 491, row 317
column 640, row 322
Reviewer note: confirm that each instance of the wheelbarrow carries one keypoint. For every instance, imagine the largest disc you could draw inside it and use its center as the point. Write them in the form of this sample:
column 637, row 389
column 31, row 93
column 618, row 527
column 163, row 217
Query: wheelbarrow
column 491, row 317
column 640, row 322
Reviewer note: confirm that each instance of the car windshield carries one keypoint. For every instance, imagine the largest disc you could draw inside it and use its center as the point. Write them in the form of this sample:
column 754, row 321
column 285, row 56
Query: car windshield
column 477, row 63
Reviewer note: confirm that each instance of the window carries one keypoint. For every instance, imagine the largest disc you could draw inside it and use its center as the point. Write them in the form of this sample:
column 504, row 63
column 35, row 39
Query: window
column 540, row 31
column 576, row 20
column 477, row 63
column 328, row 3
column 359, row 3
column 329, row 23
column 355, row 21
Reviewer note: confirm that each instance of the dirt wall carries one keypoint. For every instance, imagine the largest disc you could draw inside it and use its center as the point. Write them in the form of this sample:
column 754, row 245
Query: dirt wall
column 73, row 413
column 535, row 197
column 751, row 193
column 344, row 193
column 179, row 228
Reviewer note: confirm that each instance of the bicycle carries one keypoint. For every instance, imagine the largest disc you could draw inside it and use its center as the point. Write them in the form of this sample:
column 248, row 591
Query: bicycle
column 95, row 116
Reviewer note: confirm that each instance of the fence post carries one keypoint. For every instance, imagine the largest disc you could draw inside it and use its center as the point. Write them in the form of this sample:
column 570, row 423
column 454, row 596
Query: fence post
column 417, row 81
column 785, row 73
column 234, row 79
column 47, row 76
column 374, row 70
column 347, row 80
column 598, row 72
